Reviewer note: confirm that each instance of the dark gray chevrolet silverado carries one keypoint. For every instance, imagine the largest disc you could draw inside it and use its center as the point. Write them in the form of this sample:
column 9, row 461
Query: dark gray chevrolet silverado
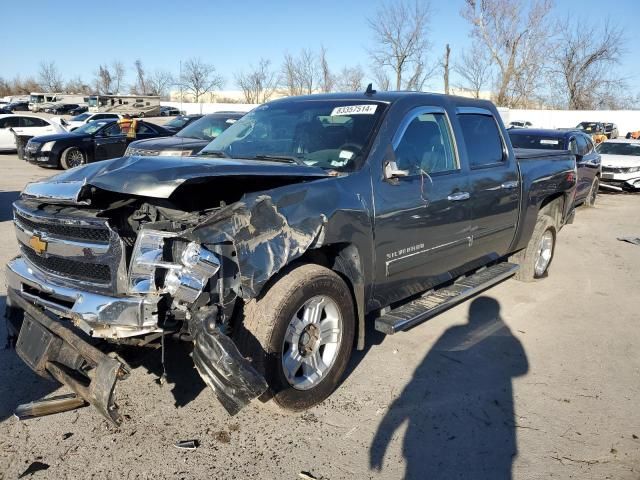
column 271, row 249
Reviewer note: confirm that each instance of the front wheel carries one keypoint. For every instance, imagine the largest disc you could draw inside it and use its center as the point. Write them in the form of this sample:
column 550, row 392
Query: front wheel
column 72, row 157
column 535, row 260
column 299, row 335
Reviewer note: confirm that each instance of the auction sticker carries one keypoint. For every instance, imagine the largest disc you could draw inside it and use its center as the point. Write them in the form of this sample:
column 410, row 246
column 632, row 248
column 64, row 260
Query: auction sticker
column 354, row 110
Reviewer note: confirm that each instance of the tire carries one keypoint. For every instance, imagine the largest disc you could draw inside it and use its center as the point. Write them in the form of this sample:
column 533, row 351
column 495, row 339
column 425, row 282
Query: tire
column 72, row 157
column 268, row 335
column 528, row 258
column 590, row 201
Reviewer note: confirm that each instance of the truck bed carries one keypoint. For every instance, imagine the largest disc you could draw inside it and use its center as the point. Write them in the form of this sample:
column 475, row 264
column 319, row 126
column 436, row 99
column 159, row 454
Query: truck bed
column 539, row 153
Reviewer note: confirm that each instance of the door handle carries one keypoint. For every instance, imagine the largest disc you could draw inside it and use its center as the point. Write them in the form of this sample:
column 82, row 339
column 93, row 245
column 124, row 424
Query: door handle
column 509, row 185
column 458, row 196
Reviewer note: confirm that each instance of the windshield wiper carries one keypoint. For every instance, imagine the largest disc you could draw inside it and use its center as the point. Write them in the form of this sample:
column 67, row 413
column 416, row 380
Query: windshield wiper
column 278, row 158
column 213, row 153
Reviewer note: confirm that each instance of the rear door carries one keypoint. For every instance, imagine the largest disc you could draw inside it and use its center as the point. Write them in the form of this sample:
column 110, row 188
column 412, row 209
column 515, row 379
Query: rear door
column 588, row 163
column 422, row 217
column 494, row 184
column 7, row 139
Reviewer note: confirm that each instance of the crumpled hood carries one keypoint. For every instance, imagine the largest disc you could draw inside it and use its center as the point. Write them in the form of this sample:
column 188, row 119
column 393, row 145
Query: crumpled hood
column 156, row 177
column 620, row 161
column 170, row 143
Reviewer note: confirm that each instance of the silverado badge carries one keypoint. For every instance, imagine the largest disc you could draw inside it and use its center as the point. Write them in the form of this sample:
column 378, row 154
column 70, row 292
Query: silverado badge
column 39, row 245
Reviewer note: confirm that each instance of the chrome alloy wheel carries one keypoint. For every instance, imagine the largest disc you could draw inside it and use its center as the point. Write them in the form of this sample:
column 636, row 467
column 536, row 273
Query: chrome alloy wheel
column 311, row 342
column 75, row 158
column 544, row 253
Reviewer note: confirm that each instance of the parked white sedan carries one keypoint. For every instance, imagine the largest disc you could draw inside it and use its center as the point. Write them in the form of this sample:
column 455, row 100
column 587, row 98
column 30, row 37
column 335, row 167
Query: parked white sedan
column 25, row 125
column 84, row 118
column 620, row 164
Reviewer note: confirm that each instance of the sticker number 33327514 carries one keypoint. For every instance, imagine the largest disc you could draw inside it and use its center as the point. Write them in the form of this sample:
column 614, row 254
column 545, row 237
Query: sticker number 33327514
column 354, row 110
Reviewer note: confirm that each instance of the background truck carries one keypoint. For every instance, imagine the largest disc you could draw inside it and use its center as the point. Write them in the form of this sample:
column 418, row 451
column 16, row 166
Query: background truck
column 305, row 219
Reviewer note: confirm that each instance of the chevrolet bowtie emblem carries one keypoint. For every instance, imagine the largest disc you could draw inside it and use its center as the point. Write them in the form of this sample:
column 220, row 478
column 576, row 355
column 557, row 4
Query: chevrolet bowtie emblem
column 39, row 245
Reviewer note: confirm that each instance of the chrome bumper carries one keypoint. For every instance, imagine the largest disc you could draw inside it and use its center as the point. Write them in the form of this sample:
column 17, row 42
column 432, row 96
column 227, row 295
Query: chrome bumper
column 97, row 315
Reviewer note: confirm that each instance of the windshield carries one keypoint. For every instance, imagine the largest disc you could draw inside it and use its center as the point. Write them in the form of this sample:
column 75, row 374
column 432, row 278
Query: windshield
column 81, row 117
column 536, row 141
column 615, row 148
column 36, row 98
column 91, row 127
column 206, row 128
column 177, row 122
column 331, row 134
column 588, row 126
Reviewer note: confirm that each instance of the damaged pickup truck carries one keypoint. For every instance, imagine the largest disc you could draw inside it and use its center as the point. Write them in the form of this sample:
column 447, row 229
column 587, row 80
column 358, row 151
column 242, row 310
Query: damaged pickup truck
column 271, row 248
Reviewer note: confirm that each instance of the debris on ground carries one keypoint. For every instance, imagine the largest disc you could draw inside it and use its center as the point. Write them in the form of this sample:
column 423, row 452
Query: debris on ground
column 307, row 476
column 187, row 444
column 33, row 468
column 630, row 239
column 223, row 437
column 67, row 435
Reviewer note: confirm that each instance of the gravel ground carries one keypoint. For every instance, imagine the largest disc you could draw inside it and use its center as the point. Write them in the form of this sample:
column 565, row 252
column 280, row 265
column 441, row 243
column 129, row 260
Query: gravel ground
column 527, row 381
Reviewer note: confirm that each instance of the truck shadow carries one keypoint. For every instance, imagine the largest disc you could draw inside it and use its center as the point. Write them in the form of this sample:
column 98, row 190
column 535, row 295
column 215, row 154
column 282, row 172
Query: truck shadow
column 459, row 405
column 18, row 383
column 6, row 202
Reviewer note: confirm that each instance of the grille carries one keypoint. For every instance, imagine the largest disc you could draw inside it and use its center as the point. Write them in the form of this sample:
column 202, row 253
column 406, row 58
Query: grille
column 92, row 272
column 95, row 234
column 616, row 169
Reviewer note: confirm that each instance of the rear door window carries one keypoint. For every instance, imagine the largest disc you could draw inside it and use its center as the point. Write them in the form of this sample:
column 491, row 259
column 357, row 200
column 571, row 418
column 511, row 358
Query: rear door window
column 583, row 146
column 482, row 140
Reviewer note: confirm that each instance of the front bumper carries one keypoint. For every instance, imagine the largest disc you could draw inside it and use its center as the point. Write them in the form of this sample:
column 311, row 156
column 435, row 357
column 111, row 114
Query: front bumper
column 54, row 351
column 97, row 315
column 620, row 181
column 43, row 159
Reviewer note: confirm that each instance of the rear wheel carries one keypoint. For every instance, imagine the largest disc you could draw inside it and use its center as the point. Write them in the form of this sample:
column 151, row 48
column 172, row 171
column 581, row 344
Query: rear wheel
column 590, row 201
column 535, row 260
column 72, row 157
column 299, row 335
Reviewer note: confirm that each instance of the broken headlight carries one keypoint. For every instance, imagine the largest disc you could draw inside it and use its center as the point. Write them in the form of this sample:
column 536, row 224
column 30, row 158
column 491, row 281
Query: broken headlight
column 185, row 275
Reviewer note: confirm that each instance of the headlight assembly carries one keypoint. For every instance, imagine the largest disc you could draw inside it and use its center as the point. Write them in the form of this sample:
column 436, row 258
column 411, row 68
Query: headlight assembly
column 47, row 146
column 184, row 276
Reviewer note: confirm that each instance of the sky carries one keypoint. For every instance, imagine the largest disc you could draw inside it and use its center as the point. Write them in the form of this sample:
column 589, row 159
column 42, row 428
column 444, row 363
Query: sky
column 79, row 35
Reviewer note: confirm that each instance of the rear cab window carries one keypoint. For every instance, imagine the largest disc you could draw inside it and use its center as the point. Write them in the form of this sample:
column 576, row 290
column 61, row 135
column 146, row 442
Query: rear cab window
column 482, row 138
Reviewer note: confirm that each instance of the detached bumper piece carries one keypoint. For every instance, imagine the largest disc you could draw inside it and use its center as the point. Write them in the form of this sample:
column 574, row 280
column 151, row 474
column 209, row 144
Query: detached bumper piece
column 54, row 351
column 218, row 361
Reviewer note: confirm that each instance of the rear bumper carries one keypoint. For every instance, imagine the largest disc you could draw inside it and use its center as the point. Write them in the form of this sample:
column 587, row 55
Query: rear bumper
column 54, row 351
column 97, row 315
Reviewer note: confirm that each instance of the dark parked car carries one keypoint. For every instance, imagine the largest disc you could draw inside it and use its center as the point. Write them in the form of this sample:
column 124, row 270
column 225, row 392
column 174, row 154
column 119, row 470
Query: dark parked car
column 78, row 110
column 611, row 130
column 181, row 121
column 97, row 140
column 579, row 143
column 188, row 141
column 61, row 109
column 15, row 107
column 274, row 247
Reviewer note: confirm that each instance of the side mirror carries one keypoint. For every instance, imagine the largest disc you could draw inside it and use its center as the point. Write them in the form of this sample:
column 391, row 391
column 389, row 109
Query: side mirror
column 392, row 171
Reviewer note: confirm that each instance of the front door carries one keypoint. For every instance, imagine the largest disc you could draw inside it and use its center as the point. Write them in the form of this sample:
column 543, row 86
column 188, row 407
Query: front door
column 7, row 138
column 110, row 142
column 422, row 216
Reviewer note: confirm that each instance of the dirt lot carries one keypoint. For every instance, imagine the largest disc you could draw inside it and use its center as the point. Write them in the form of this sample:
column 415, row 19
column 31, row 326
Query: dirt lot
column 528, row 381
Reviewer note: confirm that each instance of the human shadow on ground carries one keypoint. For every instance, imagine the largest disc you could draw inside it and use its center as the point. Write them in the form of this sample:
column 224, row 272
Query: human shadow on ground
column 459, row 406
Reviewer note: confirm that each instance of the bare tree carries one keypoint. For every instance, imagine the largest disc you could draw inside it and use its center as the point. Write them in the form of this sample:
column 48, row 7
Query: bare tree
column 199, row 78
column 159, row 82
column 382, row 81
column 24, row 87
column 301, row 74
column 474, row 69
column 77, row 85
column 103, row 80
column 140, row 86
column 327, row 83
column 350, row 79
column 118, row 72
column 400, row 31
column 445, row 68
column 514, row 33
column 49, row 77
column 585, row 60
column 259, row 83
column 5, row 88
